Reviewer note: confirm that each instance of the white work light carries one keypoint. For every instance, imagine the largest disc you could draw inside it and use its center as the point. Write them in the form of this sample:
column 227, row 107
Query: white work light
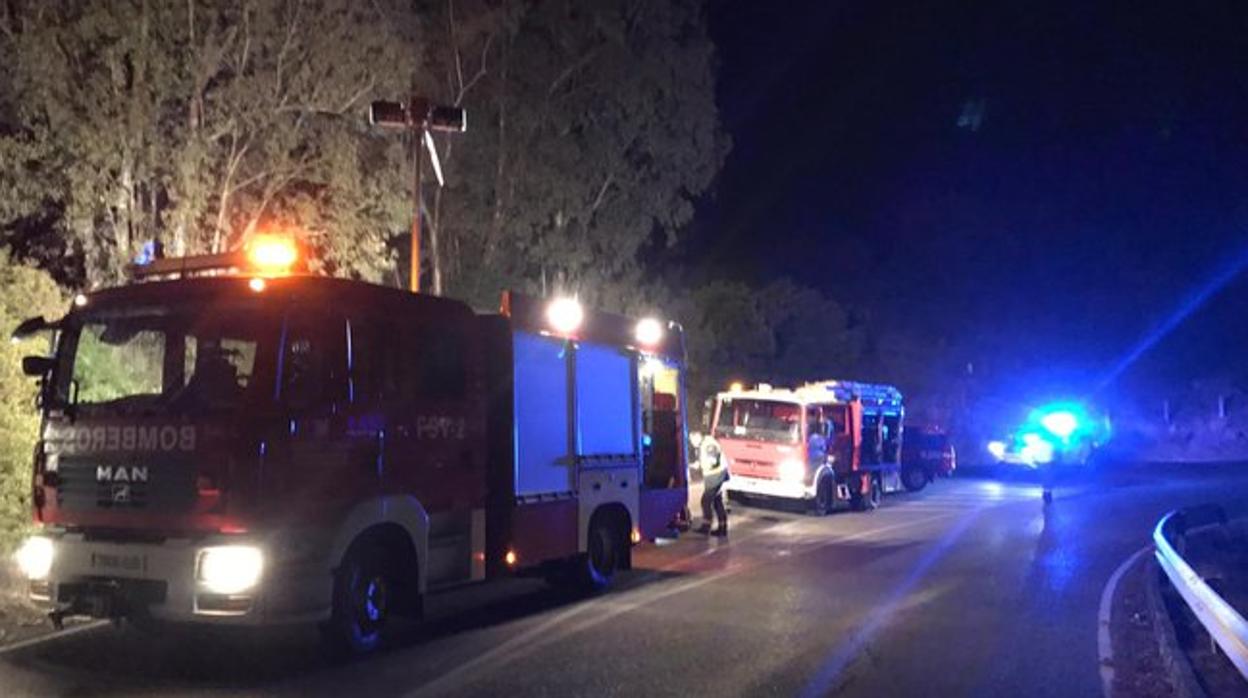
column 565, row 315
column 649, row 332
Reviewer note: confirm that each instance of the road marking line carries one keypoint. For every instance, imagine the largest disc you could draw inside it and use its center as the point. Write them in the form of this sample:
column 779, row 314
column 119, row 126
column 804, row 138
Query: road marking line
column 1104, row 645
column 6, row 649
column 612, row 607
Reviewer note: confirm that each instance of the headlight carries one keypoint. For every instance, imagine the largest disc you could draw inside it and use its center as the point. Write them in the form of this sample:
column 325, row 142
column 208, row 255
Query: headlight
column 230, row 569
column 792, row 471
column 997, row 449
column 34, row 558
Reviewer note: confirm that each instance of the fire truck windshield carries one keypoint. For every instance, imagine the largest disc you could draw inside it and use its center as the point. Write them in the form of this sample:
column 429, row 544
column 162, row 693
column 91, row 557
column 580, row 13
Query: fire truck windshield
column 763, row 420
column 161, row 359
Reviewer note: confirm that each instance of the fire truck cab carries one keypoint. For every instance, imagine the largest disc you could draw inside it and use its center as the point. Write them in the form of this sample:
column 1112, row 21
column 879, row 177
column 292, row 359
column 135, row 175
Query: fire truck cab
column 830, row 444
column 250, row 450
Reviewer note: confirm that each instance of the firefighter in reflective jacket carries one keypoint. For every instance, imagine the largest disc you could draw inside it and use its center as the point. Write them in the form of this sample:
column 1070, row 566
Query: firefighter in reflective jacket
column 714, row 475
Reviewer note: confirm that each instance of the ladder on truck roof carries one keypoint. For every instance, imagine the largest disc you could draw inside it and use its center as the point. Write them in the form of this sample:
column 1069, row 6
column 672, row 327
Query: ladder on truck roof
column 878, row 394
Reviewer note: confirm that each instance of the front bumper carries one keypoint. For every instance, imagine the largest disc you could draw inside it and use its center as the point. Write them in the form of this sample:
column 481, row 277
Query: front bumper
column 111, row 579
column 770, row 488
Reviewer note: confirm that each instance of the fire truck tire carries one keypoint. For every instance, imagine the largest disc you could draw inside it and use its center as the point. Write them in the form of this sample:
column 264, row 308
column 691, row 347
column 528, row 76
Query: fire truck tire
column 604, row 554
column 871, row 501
column 825, row 496
column 915, row 479
column 364, row 598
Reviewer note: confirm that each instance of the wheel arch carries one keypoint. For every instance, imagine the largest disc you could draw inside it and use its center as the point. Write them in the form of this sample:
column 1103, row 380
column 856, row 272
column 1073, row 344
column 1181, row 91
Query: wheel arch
column 394, row 521
column 617, row 514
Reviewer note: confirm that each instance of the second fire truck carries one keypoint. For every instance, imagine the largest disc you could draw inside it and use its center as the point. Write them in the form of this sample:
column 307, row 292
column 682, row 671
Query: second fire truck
column 831, row 444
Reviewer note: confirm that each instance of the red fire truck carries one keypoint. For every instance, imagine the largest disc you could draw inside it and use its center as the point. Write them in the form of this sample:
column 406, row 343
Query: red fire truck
column 830, row 444
column 245, row 448
column 928, row 453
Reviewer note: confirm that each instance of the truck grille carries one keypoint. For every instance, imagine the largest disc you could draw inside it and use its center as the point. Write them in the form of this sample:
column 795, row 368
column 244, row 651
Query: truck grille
column 752, row 468
column 167, row 488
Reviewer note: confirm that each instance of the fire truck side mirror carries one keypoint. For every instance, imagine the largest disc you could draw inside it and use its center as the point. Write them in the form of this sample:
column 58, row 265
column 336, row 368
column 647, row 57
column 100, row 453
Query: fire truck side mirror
column 30, row 327
column 37, row 366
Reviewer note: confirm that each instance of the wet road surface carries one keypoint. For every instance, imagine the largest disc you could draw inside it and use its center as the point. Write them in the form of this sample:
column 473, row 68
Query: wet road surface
column 971, row 587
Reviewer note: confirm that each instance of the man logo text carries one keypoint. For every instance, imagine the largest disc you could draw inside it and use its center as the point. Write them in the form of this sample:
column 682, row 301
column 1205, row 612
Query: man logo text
column 121, row 473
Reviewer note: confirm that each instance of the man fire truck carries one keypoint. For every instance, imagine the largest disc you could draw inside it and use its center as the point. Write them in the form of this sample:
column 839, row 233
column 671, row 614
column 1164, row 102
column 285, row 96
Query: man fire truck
column 829, row 444
column 257, row 446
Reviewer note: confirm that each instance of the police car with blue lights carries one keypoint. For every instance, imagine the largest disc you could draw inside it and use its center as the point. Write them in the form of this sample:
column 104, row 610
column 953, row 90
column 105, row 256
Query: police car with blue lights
column 1060, row 433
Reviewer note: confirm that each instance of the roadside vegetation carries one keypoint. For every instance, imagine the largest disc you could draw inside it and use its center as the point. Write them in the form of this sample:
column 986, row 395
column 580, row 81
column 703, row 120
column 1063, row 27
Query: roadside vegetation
column 24, row 291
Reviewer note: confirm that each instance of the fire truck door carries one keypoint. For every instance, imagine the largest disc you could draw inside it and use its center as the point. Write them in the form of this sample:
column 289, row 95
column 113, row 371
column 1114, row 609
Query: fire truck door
column 607, row 433
column 434, row 446
column 854, row 414
column 329, row 459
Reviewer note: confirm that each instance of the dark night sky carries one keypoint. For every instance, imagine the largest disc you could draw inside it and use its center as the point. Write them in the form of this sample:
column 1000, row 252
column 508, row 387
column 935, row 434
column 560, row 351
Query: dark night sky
column 1105, row 178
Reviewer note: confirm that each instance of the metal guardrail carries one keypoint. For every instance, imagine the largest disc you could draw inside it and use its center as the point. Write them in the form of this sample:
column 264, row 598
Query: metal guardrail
column 1226, row 626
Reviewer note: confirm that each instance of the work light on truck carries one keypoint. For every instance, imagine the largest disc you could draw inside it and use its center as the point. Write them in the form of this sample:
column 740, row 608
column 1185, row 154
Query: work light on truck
column 229, row 569
column 649, row 332
column 34, row 558
column 565, row 315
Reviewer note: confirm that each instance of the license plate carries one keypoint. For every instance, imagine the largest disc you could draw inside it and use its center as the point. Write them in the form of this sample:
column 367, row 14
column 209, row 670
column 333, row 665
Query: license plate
column 114, row 562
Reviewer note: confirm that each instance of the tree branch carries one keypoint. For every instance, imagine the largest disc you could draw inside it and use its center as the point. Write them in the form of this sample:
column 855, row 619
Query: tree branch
column 290, row 37
column 481, row 72
column 450, row 20
column 6, row 22
column 602, row 193
column 571, row 70
column 359, row 94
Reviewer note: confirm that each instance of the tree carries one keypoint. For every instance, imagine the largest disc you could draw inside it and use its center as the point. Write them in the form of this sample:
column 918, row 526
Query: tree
column 24, row 291
column 782, row 334
column 592, row 127
column 196, row 121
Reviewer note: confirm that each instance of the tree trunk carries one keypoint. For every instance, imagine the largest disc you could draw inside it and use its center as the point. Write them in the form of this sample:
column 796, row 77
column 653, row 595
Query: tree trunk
column 123, row 222
column 500, row 167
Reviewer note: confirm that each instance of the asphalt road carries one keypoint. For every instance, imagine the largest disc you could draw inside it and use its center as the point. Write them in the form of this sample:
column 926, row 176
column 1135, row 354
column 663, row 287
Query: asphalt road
column 971, row 587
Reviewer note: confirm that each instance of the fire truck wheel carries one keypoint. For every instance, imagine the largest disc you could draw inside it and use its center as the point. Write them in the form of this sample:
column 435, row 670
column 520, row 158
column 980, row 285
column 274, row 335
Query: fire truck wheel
column 602, row 557
column 825, row 496
column 871, row 501
column 914, row 479
column 363, row 599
